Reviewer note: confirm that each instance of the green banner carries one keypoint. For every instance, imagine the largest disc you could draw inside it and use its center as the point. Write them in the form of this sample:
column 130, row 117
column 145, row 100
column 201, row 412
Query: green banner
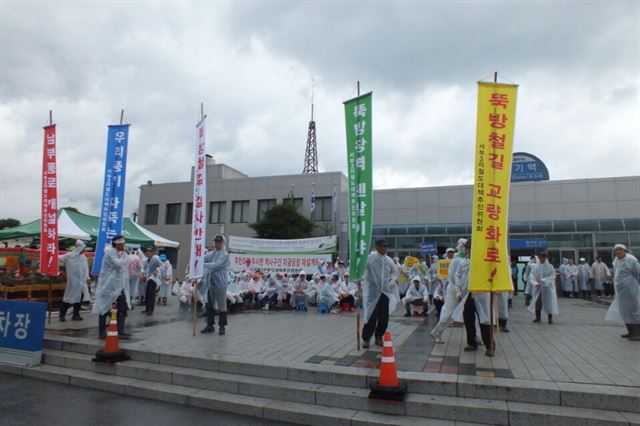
column 360, row 164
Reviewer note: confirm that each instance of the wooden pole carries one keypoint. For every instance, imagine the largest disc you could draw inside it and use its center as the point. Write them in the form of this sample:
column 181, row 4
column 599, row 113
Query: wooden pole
column 490, row 349
column 358, row 307
column 194, row 307
column 121, row 116
column 49, row 300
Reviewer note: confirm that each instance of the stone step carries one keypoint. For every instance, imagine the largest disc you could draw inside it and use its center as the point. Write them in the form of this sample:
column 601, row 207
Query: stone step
column 332, row 397
column 618, row 398
column 284, row 411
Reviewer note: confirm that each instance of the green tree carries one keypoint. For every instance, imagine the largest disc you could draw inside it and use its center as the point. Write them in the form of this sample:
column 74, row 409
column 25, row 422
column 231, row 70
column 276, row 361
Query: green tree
column 283, row 221
column 9, row 223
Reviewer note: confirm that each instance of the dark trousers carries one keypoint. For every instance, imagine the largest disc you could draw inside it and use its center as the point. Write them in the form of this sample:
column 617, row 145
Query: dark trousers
column 121, row 315
column 469, row 315
column 150, row 297
column 378, row 321
column 65, row 306
column 211, row 312
column 348, row 299
column 438, row 304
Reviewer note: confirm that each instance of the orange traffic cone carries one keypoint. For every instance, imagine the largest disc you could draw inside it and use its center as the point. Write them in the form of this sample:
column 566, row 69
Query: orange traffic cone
column 388, row 387
column 111, row 352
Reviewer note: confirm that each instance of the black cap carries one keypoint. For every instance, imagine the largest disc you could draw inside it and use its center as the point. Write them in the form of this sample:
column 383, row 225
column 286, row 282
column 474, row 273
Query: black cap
column 218, row 237
column 542, row 253
column 382, row 243
column 468, row 243
column 116, row 238
column 149, row 248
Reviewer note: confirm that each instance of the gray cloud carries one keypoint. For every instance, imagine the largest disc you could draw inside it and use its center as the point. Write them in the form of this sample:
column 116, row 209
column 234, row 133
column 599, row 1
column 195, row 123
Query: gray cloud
column 251, row 64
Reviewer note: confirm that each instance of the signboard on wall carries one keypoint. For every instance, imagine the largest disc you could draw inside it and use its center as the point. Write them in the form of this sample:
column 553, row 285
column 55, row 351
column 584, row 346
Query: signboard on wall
column 527, row 168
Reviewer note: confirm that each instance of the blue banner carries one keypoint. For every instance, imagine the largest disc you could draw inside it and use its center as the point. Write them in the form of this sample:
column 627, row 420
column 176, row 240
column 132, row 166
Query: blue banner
column 534, row 243
column 111, row 211
column 428, row 248
column 22, row 325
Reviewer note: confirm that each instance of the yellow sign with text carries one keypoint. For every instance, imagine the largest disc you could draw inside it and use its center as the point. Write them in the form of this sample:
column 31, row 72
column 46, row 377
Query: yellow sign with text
column 490, row 270
column 443, row 268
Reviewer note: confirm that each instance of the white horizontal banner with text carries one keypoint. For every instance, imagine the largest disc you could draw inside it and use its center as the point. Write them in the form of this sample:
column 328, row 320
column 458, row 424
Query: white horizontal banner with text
column 286, row 263
column 316, row 245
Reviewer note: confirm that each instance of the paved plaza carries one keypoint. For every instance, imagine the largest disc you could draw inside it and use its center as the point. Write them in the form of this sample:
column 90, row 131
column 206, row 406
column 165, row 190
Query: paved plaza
column 579, row 347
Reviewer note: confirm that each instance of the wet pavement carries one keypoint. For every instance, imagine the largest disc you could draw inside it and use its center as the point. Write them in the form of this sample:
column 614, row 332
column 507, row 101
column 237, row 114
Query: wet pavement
column 30, row 402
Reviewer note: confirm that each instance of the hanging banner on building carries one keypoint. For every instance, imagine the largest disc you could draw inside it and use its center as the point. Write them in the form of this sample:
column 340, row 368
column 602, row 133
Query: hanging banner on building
column 198, row 223
column 494, row 146
column 316, row 245
column 358, row 117
column 285, row 263
column 49, row 214
column 111, row 211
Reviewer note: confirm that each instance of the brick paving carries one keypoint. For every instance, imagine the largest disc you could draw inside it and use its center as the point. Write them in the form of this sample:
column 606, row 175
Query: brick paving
column 580, row 347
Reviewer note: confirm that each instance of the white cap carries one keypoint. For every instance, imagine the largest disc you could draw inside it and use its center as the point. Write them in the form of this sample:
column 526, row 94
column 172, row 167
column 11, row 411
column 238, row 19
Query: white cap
column 302, row 273
column 416, row 278
column 450, row 249
column 620, row 246
column 582, row 259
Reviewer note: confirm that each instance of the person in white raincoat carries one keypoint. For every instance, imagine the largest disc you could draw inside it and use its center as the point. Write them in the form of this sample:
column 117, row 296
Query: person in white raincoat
column 450, row 299
column 151, row 274
column 166, row 277
column 380, row 293
column 135, row 267
column 600, row 273
column 543, row 285
column 528, row 291
column 299, row 290
column 216, row 265
column 572, row 278
column 626, row 303
column 471, row 305
column 113, row 287
column 584, row 273
column 565, row 284
column 77, row 269
column 417, row 294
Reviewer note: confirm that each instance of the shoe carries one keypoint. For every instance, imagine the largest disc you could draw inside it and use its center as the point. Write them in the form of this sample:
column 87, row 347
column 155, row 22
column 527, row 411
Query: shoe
column 62, row 319
column 365, row 344
column 626, row 335
column 634, row 339
column 408, row 314
column 144, row 312
column 437, row 338
column 379, row 341
column 78, row 318
column 124, row 335
column 208, row 329
column 536, row 320
column 470, row 348
column 221, row 332
column 488, row 353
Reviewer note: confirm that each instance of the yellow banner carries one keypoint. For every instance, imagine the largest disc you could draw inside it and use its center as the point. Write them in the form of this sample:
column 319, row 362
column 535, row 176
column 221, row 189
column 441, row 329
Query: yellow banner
column 490, row 270
column 443, row 268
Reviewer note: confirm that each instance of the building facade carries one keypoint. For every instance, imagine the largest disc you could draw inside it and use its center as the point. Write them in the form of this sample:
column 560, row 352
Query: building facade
column 572, row 218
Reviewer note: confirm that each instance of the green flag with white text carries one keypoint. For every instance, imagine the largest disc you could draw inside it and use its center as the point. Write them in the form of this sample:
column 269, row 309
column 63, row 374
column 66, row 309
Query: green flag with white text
column 360, row 163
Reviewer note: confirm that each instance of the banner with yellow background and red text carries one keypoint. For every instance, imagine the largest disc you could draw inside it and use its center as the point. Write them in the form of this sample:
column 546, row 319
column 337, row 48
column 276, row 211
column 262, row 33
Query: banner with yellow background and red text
column 490, row 270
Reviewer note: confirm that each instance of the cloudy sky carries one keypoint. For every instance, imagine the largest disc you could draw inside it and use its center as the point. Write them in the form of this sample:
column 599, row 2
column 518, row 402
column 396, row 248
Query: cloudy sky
column 251, row 63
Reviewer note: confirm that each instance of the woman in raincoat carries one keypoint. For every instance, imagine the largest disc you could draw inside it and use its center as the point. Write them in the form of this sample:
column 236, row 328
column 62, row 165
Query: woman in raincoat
column 626, row 304
column 77, row 269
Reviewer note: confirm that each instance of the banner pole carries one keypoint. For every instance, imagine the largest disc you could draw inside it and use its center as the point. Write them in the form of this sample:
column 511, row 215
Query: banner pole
column 194, row 307
column 358, row 308
column 49, row 300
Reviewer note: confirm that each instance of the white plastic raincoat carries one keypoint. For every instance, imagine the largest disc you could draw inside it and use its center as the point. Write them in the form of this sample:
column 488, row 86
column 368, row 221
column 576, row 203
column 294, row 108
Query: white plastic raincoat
column 113, row 280
column 626, row 280
column 379, row 278
column 77, row 269
column 584, row 273
column 481, row 300
column 600, row 273
column 543, row 284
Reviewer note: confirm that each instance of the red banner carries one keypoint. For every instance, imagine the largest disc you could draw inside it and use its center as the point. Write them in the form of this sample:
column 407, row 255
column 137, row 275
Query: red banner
column 49, row 222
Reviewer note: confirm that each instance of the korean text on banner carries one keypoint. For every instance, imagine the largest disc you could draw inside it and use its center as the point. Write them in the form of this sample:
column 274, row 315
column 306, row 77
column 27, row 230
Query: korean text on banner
column 494, row 146
column 358, row 116
column 198, row 223
column 443, row 268
column 49, row 219
column 113, row 190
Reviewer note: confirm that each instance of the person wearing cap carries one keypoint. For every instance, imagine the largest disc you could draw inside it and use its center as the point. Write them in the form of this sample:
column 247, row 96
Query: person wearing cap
column 340, row 287
column 113, row 286
column 256, row 288
column 340, row 269
column 166, row 276
column 626, row 303
column 572, row 283
column 543, row 288
column 327, row 295
column 77, row 271
column 284, row 291
column 379, row 293
column 135, row 268
column 417, row 294
column 584, row 274
column 234, row 299
column 355, row 289
column 600, row 273
column 565, row 284
column 299, row 291
column 450, row 300
column 151, row 273
column 312, row 290
column 269, row 297
column 216, row 266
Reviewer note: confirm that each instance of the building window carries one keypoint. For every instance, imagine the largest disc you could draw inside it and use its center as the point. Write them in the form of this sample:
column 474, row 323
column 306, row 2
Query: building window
column 264, row 205
column 297, row 202
column 217, row 212
column 240, row 212
column 173, row 214
column 323, row 210
column 151, row 214
column 188, row 215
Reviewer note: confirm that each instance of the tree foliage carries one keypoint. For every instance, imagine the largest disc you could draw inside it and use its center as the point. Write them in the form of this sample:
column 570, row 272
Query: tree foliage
column 9, row 223
column 283, row 221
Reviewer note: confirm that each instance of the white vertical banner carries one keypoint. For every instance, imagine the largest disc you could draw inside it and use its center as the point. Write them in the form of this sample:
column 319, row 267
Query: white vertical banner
column 199, row 218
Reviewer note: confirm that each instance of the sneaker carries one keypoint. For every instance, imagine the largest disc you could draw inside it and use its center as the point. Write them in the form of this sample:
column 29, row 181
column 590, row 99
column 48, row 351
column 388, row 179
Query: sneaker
column 62, row 319
column 470, row 348
column 221, row 331
column 208, row 329
column 379, row 341
column 436, row 337
column 365, row 344
column 625, row 336
column 536, row 320
column 488, row 353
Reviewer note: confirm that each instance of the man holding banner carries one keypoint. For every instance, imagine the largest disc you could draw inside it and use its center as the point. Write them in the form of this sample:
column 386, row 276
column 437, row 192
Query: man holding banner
column 216, row 266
